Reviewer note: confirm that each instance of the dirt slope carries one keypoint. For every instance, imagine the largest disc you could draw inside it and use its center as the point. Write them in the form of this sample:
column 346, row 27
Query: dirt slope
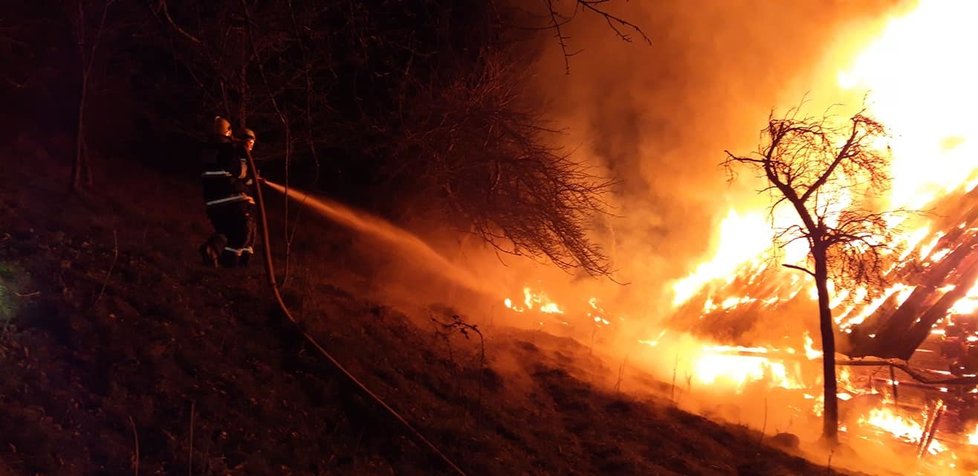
column 119, row 352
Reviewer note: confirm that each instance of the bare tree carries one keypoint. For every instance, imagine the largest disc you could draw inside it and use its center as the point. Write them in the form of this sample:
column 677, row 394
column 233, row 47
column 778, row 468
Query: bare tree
column 827, row 173
column 87, row 36
column 478, row 148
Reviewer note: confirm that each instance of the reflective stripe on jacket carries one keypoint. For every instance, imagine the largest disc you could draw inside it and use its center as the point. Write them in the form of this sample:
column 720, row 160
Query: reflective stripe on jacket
column 240, row 197
column 223, row 173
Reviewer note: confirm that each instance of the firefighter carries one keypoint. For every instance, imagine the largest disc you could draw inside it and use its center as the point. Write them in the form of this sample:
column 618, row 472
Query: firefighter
column 229, row 205
column 245, row 144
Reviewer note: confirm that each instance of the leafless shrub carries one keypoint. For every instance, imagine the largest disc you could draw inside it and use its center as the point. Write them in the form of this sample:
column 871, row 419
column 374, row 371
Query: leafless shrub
column 483, row 153
column 458, row 325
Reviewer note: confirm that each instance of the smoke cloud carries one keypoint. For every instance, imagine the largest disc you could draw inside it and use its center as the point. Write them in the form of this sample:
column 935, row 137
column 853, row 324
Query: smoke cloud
column 659, row 117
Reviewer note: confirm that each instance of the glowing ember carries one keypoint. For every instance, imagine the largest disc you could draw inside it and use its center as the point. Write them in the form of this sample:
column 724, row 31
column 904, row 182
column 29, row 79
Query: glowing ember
column 968, row 304
column 903, row 428
column 973, row 437
column 810, row 351
column 534, row 300
column 653, row 342
column 550, row 308
column 543, row 304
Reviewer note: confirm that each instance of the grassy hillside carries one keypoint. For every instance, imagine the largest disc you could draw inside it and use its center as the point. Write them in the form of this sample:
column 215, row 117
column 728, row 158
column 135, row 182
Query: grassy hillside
column 120, row 353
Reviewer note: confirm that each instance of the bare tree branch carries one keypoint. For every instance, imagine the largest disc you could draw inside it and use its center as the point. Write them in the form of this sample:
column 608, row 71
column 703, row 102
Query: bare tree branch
column 166, row 14
column 556, row 23
column 799, row 268
column 617, row 24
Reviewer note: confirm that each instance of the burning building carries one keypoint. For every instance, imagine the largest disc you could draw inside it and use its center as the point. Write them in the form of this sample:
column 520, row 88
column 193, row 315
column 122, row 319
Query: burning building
column 907, row 350
column 909, row 345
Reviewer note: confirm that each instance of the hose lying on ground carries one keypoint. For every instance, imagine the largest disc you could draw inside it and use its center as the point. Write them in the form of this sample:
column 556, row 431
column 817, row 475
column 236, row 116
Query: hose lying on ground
column 270, row 272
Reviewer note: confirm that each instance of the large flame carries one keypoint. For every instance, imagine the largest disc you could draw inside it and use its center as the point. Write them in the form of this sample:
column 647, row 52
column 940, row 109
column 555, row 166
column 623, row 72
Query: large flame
column 738, row 366
column 737, row 243
column 923, row 89
column 919, row 80
column 901, row 427
column 921, row 86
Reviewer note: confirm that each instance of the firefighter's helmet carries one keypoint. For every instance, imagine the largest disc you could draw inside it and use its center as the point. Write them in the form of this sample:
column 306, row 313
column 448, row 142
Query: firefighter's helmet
column 222, row 126
column 246, row 134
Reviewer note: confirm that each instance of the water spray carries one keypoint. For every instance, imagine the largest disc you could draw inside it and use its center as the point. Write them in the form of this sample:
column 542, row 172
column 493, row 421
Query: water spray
column 383, row 230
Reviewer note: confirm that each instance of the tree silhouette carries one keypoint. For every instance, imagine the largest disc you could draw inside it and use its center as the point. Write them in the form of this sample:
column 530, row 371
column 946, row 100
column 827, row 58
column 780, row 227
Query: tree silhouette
column 435, row 114
column 480, row 156
column 88, row 36
column 828, row 171
column 556, row 19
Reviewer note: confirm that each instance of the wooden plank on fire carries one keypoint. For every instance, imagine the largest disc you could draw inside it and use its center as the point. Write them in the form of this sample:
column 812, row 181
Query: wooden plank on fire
column 921, row 328
column 899, row 333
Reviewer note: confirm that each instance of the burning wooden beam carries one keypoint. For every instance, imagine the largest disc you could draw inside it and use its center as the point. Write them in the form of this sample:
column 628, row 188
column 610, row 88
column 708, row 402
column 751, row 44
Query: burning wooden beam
column 900, row 333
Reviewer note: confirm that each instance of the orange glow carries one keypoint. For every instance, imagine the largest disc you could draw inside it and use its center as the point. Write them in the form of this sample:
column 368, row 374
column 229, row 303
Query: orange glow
column 533, row 300
column 902, row 291
column 810, row 351
column 903, row 428
column 736, row 366
column 968, row 304
column 538, row 301
column 737, row 243
column 973, row 436
column 922, row 88
column 541, row 301
column 917, row 83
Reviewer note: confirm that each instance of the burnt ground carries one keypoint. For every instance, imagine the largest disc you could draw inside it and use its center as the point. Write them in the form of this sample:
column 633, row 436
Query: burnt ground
column 121, row 354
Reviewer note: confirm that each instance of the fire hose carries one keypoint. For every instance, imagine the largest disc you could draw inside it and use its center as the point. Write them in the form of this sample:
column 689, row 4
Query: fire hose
column 357, row 384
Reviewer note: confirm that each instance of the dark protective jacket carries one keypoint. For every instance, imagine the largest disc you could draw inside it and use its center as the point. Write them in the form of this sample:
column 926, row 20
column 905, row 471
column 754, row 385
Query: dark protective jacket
column 224, row 173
